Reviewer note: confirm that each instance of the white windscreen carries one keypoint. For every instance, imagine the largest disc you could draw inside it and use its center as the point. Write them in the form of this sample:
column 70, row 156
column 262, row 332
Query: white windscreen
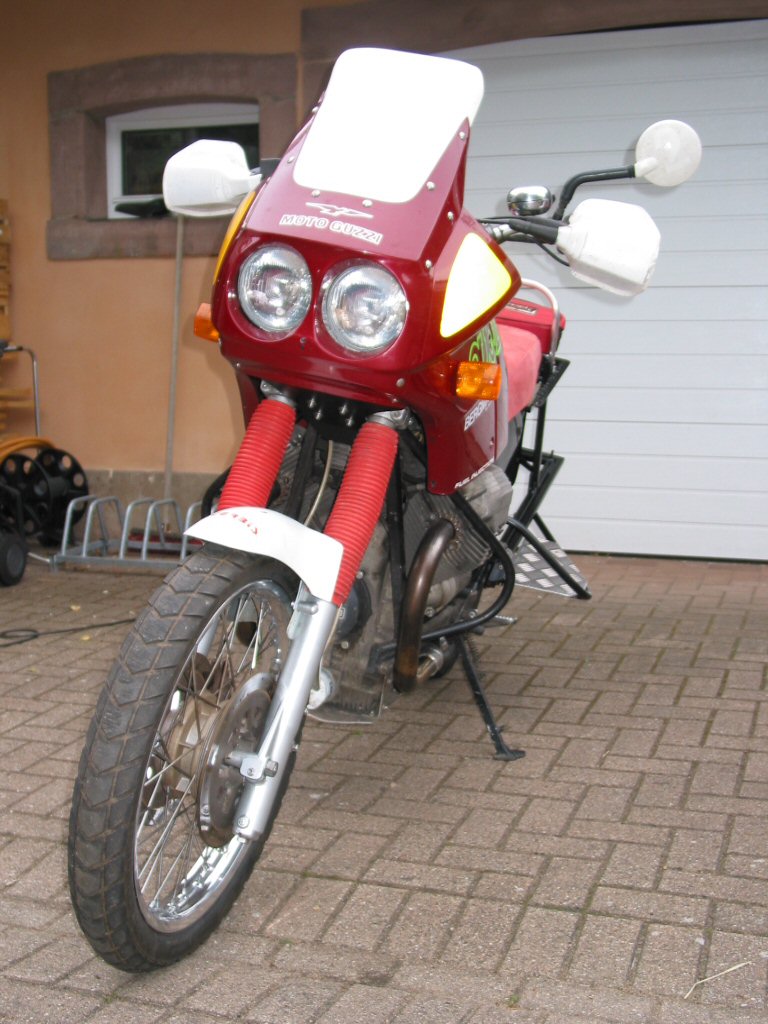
column 386, row 119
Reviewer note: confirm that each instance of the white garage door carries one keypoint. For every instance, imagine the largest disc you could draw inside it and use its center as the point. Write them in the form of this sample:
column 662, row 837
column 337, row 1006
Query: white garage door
column 663, row 413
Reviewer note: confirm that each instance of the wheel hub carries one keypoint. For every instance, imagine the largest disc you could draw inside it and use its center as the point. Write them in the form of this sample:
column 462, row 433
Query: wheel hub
column 238, row 727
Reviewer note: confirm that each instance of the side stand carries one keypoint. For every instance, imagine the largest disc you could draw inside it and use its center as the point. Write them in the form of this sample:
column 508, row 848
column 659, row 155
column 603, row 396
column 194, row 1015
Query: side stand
column 503, row 752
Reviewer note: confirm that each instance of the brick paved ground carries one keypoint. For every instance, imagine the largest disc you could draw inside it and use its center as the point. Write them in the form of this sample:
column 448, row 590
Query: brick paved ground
column 411, row 878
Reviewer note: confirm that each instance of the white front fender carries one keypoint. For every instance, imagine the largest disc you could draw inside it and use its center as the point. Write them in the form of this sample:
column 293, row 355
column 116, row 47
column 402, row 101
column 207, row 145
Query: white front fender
column 314, row 557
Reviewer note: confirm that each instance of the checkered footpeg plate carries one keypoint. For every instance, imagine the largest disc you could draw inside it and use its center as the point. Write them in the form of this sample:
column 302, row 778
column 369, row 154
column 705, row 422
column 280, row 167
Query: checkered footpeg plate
column 532, row 571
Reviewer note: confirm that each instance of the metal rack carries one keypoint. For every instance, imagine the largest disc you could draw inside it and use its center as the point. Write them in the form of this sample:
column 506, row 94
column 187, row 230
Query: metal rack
column 114, row 536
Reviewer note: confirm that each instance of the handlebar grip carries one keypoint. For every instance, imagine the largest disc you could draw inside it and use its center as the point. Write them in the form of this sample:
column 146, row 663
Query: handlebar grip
column 523, row 231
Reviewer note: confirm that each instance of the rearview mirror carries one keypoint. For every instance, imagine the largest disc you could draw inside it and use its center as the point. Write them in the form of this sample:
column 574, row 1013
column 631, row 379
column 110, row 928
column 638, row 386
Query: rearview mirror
column 667, row 153
column 208, row 179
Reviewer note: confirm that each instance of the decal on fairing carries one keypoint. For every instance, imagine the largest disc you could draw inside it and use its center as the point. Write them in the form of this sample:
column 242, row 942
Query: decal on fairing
column 468, row 479
column 485, row 347
column 523, row 307
column 339, row 227
column 339, row 211
column 475, row 413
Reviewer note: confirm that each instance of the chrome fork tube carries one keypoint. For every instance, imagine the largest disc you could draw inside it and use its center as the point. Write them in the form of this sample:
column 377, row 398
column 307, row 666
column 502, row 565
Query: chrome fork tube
column 311, row 628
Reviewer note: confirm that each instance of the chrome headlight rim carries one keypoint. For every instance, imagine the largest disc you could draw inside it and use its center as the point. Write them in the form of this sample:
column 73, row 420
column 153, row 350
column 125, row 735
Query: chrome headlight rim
column 283, row 324
column 332, row 280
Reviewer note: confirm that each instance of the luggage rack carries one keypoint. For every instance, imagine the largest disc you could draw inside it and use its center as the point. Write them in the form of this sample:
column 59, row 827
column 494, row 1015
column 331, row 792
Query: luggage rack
column 116, row 537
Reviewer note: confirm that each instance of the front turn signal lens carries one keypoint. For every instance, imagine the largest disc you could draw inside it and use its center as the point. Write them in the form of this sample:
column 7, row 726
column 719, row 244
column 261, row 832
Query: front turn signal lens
column 204, row 324
column 478, row 381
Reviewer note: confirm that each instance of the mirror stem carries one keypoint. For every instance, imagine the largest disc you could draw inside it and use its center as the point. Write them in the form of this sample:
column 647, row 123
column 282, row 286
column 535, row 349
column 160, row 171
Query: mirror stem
column 581, row 179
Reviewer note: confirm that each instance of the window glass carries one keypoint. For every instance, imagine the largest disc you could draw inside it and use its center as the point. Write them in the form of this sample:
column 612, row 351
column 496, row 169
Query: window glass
column 140, row 143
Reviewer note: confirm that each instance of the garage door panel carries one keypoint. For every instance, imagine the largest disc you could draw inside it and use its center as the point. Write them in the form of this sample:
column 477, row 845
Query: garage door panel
column 653, row 504
column 708, row 305
column 747, row 373
column 509, row 107
column 613, row 136
column 609, row 405
column 666, row 472
column 604, row 339
column 687, row 388
column 722, row 442
column 686, row 540
column 612, row 65
column 674, row 268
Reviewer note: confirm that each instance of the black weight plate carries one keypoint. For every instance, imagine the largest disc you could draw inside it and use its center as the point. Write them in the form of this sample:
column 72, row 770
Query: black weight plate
column 67, row 480
column 29, row 480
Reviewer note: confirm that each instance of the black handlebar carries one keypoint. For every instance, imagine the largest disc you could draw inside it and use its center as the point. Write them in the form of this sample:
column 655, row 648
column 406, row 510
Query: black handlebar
column 518, row 229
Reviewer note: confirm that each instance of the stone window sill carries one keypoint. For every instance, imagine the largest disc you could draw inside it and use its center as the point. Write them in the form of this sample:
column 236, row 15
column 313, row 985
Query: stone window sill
column 76, row 239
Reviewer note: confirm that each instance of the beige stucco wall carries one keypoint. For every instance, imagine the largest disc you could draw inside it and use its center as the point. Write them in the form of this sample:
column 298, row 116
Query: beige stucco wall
column 102, row 329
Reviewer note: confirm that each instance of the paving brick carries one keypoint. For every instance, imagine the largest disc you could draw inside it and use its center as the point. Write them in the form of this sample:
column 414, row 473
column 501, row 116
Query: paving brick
column 231, row 991
column 424, row 926
column 481, row 935
column 649, row 906
column 606, row 951
column 547, row 816
column 603, row 1005
column 23, row 1003
column 413, row 878
column 483, row 988
column 633, row 865
column 349, row 856
column 366, row 916
column 295, row 1001
column 695, row 851
column 745, row 959
column 432, row 1011
column 669, row 960
column 51, row 962
column 543, row 942
column 604, row 803
column 309, row 909
column 422, row 876
column 565, row 882
column 746, row 890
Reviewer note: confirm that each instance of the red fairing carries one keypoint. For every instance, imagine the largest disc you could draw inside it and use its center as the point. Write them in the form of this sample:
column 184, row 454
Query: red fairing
column 530, row 316
column 522, row 356
column 417, row 241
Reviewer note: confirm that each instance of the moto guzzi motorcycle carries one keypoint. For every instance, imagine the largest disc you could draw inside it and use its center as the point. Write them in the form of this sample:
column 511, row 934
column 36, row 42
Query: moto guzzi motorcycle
column 386, row 365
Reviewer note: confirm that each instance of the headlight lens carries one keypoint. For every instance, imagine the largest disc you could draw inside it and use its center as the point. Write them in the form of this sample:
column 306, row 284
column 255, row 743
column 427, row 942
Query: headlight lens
column 364, row 307
column 275, row 289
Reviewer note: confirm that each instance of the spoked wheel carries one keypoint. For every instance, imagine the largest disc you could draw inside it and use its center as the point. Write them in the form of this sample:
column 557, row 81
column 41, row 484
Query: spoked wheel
column 154, row 864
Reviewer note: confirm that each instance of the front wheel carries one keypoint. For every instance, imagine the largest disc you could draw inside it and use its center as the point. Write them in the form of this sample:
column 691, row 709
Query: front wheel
column 154, row 864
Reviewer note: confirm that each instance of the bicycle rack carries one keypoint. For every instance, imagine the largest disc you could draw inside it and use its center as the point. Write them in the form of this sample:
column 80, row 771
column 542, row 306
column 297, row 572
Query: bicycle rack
column 111, row 538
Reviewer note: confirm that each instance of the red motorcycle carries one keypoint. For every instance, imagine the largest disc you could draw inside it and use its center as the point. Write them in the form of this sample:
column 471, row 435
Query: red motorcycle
column 386, row 367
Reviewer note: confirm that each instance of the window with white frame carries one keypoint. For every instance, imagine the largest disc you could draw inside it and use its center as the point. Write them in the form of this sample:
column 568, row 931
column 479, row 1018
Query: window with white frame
column 139, row 143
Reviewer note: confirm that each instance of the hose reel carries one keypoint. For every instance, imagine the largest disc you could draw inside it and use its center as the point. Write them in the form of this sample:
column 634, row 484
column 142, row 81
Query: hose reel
column 42, row 487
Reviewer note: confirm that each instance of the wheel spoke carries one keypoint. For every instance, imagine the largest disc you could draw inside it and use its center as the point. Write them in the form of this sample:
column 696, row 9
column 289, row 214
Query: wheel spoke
column 177, row 873
column 180, row 861
column 156, row 853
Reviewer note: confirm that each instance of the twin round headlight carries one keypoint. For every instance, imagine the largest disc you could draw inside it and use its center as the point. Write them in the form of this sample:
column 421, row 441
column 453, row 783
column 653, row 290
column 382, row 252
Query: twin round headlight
column 363, row 305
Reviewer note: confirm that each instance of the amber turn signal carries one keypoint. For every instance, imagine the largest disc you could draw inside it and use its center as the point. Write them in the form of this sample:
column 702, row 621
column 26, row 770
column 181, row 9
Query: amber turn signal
column 478, row 380
column 203, row 324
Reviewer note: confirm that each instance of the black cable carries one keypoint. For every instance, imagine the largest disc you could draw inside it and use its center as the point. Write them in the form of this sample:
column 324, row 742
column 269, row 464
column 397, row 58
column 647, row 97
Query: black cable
column 13, row 637
column 553, row 255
